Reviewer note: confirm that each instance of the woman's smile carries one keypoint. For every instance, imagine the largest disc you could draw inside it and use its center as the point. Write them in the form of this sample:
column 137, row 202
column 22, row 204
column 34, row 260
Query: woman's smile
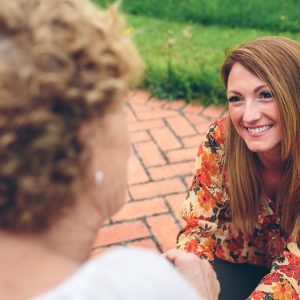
column 259, row 130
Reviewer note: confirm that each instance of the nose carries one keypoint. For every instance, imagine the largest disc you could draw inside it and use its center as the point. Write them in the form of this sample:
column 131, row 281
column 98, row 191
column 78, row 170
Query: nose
column 252, row 112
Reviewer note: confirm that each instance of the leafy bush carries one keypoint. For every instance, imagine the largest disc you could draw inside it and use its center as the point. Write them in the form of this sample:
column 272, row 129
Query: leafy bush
column 183, row 59
column 275, row 15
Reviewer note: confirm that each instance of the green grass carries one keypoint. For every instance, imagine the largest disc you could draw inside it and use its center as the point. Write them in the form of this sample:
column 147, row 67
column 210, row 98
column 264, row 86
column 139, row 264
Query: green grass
column 183, row 56
column 183, row 60
column 275, row 15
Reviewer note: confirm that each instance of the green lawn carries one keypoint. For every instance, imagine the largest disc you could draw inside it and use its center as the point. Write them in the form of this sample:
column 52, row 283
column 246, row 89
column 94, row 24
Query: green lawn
column 183, row 60
column 183, row 56
column 273, row 15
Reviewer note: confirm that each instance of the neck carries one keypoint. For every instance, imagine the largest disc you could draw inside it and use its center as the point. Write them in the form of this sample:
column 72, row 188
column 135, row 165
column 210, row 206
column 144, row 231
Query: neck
column 272, row 170
column 73, row 236
column 271, row 161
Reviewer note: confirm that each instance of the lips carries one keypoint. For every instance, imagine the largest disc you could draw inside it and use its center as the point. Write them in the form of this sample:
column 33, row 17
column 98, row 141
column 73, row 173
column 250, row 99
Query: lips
column 259, row 129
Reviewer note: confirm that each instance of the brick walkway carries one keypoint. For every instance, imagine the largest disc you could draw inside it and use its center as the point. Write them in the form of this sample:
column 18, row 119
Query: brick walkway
column 165, row 137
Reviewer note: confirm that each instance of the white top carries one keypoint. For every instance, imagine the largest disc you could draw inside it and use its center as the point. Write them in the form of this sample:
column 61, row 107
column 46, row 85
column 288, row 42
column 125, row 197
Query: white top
column 124, row 274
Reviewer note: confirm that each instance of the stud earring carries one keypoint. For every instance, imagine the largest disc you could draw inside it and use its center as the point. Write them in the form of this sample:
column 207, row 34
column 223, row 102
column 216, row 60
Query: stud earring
column 99, row 176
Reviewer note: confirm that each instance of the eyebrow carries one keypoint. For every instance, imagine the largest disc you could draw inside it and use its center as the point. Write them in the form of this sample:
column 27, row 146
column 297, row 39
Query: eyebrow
column 255, row 90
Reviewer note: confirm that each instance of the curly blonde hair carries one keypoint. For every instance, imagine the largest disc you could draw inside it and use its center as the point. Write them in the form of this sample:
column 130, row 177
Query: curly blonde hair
column 62, row 63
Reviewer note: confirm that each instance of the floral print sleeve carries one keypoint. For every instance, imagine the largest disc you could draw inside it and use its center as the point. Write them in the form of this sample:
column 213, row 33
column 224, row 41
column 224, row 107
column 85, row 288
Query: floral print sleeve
column 205, row 208
column 283, row 282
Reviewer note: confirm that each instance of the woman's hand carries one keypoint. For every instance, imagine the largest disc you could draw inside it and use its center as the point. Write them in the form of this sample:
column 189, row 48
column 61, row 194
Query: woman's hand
column 198, row 272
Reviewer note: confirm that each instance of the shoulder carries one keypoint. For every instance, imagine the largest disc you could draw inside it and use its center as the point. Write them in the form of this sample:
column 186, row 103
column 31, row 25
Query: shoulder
column 133, row 273
column 216, row 131
column 213, row 142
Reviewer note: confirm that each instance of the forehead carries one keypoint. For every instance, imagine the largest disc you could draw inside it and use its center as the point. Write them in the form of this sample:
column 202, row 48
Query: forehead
column 241, row 78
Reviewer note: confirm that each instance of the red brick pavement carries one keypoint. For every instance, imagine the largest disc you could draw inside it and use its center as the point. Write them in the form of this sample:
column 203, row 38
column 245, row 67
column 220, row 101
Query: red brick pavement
column 165, row 137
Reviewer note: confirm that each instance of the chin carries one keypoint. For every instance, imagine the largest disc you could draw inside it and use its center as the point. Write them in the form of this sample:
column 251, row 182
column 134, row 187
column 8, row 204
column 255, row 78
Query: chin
column 261, row 148
column 256, row 149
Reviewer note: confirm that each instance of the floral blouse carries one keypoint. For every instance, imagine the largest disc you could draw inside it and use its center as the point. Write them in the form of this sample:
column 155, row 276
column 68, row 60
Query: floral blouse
column 209, row 232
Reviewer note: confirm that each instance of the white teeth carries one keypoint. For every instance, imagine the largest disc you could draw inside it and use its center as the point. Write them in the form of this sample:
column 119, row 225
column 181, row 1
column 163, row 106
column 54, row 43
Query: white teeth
column 259, row 129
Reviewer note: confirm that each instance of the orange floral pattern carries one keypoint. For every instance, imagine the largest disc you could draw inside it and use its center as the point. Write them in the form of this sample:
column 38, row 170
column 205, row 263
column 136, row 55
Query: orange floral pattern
column 209, row 232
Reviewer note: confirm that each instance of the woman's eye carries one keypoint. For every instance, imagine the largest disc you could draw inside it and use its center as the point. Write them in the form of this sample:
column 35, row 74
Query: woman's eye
column 234, row 99
column 265, row 95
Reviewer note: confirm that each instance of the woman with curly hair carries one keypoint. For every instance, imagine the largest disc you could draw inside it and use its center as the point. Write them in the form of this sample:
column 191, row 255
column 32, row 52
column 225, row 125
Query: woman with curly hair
column 243, row 209
column 64, row 68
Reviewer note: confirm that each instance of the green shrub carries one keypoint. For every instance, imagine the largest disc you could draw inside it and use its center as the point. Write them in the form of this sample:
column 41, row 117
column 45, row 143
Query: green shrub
column 275, row 15
column 183, row 59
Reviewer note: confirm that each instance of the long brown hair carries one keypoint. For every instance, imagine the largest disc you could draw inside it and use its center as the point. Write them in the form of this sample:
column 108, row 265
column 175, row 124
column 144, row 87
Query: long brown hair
column 276, row 61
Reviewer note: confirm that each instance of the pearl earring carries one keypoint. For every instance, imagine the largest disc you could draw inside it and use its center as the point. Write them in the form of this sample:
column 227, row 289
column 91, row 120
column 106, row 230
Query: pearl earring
column 99, row 176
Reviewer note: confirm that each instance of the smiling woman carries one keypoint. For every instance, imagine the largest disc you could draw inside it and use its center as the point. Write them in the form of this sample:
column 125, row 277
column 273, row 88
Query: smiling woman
column 248, row 171
column 275, row 63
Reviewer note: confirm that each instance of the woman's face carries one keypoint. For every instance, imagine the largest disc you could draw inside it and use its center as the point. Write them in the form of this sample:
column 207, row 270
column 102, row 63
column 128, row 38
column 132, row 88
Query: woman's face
column 253, row 111
column 110, row 151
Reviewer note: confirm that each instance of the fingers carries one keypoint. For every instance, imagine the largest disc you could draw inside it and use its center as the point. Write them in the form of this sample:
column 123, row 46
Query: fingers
column 175, row 254
column 172, row 255
column 197, row 271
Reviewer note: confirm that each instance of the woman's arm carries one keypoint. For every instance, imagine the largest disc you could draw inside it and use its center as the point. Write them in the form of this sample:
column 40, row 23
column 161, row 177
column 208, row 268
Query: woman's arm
column 206, row 207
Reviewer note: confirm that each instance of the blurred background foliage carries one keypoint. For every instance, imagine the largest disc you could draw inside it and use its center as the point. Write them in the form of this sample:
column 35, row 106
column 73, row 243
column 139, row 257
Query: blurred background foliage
column 183, row 42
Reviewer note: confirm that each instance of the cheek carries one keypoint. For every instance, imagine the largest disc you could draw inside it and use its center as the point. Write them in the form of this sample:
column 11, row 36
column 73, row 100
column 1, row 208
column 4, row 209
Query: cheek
column 273, row 113
column 123, row 146
column 126, row 142
column 235, row 116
